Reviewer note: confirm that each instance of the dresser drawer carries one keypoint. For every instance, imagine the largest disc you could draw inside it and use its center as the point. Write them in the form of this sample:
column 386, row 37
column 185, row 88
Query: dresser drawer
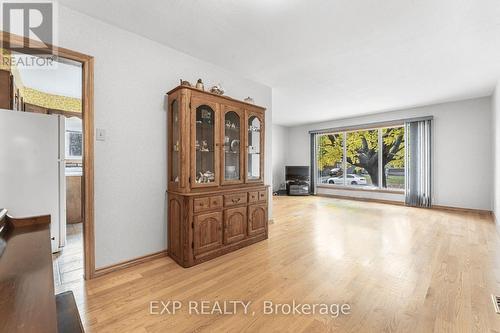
column 235, row 199
column 253, row 196
column 262, row 195
column 202, row 204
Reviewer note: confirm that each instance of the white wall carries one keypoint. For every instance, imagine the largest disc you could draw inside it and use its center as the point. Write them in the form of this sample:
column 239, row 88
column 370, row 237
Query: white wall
column 496, row 153
column 132, row 75
column 280, row 138
column 462, row 162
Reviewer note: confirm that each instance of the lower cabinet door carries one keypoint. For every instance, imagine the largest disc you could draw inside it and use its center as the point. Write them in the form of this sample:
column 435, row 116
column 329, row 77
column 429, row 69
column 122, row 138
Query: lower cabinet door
column 235, row 224
column 207, row 230
column 175, row 219
column 257, row 219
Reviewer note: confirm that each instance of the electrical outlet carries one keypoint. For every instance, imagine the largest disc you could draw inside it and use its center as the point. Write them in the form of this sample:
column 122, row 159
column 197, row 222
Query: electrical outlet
column 100, row 134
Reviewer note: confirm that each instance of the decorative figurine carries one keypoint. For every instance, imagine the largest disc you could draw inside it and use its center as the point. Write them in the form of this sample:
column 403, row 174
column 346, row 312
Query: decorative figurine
column 204, row 145
column 249, row 100
column 210, row 176
column 199, row 85
column 185, row 83
column 235, row 145
column 217, row 89
column 201, row 178
column 205, row 114
column 206, row 177
column 230, row 124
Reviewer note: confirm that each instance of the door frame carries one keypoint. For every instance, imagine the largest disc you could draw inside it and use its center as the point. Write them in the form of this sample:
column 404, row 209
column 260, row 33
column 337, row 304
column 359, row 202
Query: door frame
column 15, row 41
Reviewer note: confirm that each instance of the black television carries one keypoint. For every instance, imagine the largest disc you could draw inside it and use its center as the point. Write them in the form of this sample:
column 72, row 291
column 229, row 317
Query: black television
column 297, row 173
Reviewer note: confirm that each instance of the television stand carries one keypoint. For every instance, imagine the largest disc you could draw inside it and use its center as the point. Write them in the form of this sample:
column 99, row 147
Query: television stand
column 297, row 187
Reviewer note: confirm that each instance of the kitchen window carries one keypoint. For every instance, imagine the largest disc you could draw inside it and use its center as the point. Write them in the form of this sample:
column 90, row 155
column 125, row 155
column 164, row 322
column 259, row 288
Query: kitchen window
column 74, row 145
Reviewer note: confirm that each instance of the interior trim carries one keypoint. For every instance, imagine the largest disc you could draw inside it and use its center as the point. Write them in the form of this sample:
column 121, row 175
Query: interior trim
column 347, row 188
column 497, row 226
column 460, row 209
column 368, row 125
column 400, row 203
column 129, row 263
column 346, row 197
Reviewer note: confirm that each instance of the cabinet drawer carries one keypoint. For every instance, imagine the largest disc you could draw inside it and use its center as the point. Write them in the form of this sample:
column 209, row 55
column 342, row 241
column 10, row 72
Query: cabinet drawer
column 253, row 196
column 235, row 199
column 201, row 204
column 262, row 195
column 216, row 202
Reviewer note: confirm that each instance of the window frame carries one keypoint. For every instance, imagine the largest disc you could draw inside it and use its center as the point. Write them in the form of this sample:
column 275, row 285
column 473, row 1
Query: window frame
column 381, row 169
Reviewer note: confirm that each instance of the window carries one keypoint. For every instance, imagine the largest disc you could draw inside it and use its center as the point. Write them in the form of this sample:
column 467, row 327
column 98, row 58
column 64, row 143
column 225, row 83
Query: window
column 362, row 158
column 74, row 144
column 365, row 158
column 330, row 159
column 73, row 138
column 393, row 158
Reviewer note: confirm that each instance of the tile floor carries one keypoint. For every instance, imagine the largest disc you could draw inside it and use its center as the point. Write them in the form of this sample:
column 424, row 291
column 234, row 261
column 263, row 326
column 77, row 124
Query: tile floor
column 68, row 263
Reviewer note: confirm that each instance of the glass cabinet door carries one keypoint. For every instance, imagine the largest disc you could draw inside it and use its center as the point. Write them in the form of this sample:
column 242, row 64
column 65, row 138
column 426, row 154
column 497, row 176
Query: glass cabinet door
column 232, row 147
column 254, row 146
column 175, row 142
column 205, row 146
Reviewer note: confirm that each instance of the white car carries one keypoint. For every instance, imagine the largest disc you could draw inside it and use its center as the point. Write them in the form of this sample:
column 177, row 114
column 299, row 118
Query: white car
column 350, row 180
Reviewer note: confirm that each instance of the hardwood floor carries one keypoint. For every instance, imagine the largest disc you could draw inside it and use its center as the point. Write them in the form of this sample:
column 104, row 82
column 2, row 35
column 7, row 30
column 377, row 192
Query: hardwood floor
column 401, row 270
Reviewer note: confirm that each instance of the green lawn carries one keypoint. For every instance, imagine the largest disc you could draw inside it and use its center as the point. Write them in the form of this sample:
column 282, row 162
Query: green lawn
column 396, row 182
column 393, row 182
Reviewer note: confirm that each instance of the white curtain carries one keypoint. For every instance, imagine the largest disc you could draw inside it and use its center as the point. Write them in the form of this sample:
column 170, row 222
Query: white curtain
column 314, row 146
column 418, row 163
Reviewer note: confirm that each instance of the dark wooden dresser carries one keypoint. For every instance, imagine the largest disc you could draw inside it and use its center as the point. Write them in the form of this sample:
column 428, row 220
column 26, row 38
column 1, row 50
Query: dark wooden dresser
column 27, row 299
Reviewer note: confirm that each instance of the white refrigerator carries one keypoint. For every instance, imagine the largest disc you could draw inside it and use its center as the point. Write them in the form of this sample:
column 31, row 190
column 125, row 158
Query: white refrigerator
column 32, row 169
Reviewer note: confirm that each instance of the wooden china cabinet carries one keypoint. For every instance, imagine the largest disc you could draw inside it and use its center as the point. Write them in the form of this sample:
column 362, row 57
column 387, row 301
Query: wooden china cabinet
column 217, row 200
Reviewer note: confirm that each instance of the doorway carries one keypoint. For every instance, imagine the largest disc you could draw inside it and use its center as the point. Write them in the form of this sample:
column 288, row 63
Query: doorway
column 68, row 261
column 18, row 102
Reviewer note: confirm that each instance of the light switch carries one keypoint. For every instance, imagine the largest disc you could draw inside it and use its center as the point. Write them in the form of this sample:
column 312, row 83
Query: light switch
column 100, row 134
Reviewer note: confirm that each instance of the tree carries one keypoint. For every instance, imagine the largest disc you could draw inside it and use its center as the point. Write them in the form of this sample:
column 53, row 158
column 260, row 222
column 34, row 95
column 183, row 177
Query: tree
column 362, row 150
column 330, row 150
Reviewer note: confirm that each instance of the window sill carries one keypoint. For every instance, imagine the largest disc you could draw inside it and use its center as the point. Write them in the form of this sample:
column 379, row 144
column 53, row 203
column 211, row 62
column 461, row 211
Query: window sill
column 351, row 188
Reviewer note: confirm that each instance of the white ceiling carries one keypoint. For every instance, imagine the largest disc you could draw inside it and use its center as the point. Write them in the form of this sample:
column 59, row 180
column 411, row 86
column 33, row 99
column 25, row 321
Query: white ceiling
column 63, row 78
column 333, row 58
